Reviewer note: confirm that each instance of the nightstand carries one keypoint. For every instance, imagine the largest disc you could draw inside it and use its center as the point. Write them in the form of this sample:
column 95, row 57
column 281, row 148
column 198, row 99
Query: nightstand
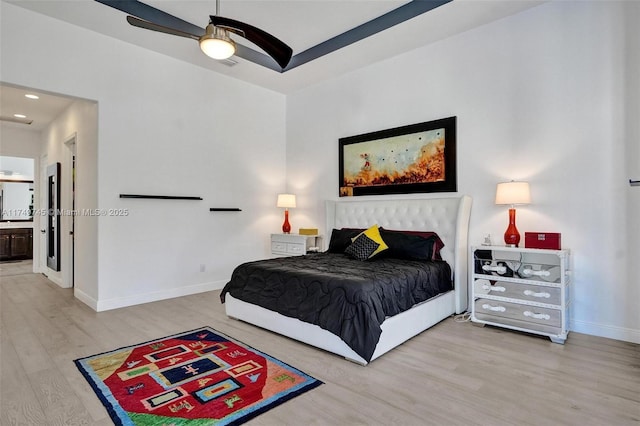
column 521, row 289
column 295, row 244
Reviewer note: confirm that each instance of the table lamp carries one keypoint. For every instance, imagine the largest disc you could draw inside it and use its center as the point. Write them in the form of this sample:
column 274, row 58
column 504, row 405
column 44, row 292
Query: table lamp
column 512, row 193
column 287, row 201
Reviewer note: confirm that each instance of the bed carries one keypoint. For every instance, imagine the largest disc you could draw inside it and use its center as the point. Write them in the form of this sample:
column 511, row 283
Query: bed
column 448, row 217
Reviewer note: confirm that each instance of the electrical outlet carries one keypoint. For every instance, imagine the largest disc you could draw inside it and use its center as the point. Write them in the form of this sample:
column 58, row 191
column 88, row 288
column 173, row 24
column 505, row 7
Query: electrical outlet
column 202, row 267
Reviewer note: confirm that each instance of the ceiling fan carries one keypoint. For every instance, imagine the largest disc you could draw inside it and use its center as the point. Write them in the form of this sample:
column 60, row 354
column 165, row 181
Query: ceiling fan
column 216, row 43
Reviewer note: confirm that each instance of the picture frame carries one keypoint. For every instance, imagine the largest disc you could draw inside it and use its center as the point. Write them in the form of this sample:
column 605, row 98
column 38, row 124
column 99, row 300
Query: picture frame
column 409, row 159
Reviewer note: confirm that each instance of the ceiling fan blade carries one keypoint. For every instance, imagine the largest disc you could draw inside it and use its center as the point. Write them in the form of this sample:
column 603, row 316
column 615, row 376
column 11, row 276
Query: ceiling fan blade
column 140, row 23
column 275, row 48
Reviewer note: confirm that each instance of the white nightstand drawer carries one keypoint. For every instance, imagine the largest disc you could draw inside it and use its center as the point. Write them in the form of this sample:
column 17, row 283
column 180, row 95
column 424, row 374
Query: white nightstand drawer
column 510, row 290
column 296, row 249
column 531, row 314
column 288, row 248
column 294, row 244
column 279, row 247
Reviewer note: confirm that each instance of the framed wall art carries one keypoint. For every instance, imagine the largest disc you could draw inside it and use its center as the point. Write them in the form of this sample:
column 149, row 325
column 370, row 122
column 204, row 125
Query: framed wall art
column 415, row 158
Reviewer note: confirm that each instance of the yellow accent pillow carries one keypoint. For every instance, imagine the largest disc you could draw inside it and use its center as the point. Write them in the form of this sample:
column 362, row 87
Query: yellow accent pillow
column 374, row 234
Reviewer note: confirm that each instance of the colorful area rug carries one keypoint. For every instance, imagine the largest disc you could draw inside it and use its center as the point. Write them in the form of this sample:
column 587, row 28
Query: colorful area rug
column 200, row 377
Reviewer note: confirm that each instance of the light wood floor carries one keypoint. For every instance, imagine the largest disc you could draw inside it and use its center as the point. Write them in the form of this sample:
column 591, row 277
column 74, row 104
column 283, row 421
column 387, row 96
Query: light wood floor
column 452, row 374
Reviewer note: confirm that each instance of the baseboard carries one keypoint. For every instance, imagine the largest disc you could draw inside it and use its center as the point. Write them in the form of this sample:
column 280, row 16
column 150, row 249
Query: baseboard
column 611, row 332
column 56, row 280
column 122, row 302
column 86, row 299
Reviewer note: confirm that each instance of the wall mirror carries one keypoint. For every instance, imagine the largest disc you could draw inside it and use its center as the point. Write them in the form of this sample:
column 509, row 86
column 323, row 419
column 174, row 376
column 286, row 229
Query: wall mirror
column 16, row 200
column 53, row 216
column 16, row 189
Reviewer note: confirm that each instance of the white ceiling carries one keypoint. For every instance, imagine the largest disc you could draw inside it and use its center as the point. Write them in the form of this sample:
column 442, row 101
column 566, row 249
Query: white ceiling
column 299, row 23
column 42, row 111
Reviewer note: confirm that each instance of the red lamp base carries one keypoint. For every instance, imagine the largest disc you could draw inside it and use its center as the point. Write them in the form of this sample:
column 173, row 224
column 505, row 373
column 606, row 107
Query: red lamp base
column 286, row 226
column 511, row 235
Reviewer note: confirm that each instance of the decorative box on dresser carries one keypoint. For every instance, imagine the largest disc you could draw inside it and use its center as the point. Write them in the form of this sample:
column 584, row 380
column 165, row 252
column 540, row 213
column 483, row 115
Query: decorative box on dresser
column 295, row 244
column 521, row 289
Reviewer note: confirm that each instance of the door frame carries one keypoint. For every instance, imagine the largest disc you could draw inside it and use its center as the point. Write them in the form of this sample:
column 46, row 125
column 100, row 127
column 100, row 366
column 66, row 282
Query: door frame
column 69, row 207
column 42, row 218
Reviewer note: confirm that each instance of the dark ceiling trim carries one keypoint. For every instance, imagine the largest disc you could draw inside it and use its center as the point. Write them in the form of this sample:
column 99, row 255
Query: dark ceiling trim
column 403, row 13
column 381, row 23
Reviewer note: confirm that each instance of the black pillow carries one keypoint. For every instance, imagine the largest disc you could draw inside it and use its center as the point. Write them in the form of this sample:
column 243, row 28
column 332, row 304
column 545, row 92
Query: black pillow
column 362, row 248
column 404, row 246
column 437, row 242
column 341, row 239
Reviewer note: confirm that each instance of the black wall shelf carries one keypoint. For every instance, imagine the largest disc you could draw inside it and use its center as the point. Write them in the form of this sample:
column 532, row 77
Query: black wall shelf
column 225, row 209
column 159, row 197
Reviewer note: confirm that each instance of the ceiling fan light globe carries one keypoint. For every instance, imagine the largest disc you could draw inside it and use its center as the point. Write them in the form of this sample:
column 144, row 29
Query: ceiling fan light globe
column 216, row 43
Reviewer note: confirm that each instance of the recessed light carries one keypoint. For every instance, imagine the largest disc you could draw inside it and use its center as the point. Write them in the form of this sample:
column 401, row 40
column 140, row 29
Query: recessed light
column 30, row 96
column 19, row 116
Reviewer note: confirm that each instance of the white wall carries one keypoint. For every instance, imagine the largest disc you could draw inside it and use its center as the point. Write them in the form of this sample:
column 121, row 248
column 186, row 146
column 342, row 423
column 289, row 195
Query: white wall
column 164, row 128
column 632, row 140
column 539, row 96
column 19, row 141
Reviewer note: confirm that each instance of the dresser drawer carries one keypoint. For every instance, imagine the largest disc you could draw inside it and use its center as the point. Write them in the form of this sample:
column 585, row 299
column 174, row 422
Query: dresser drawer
column 528, row 292
column 486, row 309
column 296, row 249
column 544, row 267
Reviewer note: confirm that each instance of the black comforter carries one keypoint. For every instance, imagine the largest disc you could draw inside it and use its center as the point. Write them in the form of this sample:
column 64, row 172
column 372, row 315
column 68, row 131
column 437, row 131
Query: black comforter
column 347, row 297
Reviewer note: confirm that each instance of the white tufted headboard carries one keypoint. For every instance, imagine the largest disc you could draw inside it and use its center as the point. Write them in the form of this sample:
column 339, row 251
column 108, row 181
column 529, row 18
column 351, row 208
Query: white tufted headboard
column 449, row 217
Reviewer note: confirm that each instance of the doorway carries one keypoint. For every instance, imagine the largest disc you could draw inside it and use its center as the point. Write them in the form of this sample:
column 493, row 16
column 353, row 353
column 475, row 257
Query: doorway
column 72, row 141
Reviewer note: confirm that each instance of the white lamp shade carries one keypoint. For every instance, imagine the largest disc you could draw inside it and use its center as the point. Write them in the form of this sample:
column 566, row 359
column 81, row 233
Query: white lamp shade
column 287, row 201
column 513, row 193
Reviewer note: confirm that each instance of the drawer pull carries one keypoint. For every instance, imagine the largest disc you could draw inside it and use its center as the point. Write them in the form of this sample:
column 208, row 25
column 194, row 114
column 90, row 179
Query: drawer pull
column 543, row 294
column 494, row 288
column 537, row 316
column 541, row 273
column 498, row 269
column 488, row 307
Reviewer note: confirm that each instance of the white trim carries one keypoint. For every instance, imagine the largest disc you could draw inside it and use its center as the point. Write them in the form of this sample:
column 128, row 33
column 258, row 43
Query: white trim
column 85, row 298
column 66, row 271
column 122, row 302
column 608, row 331
column 55, row 279
column 41, row 258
